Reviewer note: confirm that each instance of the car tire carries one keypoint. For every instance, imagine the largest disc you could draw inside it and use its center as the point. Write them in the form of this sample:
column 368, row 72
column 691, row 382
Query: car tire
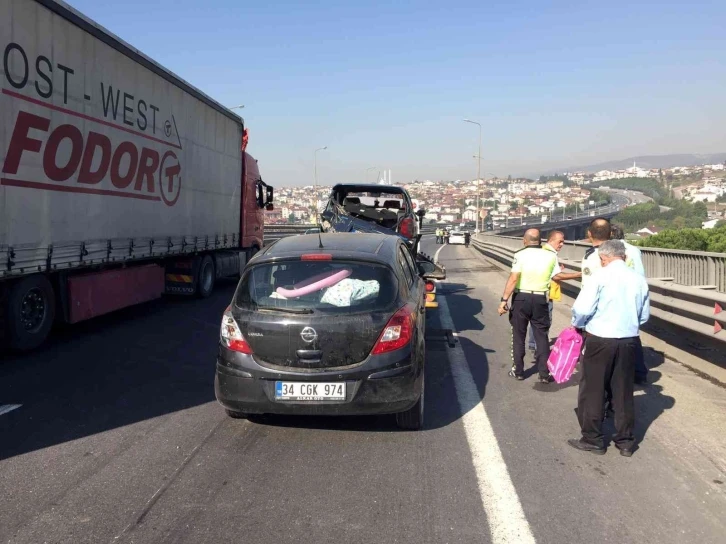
column 412, row 419
column 30, row 312
column 236, row 415
column 206, row 277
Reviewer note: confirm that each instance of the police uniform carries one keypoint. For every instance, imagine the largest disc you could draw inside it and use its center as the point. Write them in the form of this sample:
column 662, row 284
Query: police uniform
column 590, row 263
column 530, row 304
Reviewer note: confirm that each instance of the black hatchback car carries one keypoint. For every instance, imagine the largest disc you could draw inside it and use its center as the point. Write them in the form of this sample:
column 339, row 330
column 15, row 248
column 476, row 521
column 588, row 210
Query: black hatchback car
column 329, row 324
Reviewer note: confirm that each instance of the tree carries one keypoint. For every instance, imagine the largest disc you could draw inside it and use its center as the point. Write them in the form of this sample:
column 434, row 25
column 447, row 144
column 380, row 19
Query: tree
column 291, row 218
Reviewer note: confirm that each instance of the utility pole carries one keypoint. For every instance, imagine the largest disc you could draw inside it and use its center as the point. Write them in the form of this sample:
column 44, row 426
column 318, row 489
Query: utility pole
column 478, row 172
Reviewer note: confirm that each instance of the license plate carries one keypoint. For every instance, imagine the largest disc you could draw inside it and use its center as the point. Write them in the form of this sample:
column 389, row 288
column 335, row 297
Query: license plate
column 312, row 391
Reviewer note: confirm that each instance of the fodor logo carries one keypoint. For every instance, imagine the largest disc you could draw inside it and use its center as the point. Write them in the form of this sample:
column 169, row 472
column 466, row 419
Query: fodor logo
column 89, row 162
column 171, row 178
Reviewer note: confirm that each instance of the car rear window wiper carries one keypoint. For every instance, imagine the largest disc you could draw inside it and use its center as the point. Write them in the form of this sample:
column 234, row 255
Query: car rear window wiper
column 286, row 310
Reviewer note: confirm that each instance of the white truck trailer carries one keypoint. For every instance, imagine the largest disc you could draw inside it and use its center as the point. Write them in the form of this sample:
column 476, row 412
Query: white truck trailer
column 120, row 181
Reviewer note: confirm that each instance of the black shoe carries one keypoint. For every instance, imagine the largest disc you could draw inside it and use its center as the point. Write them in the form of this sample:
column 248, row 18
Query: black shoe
column 625, row 452
column 546, row 379
column 586, row 446
column 641, row 380
column 516, row 376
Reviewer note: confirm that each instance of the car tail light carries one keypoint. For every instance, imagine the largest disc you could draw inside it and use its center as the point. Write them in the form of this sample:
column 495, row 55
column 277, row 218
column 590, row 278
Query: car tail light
column 407, row 228
column 430, row 286
column 398, row 331
column 316, row 257
column 231, row 336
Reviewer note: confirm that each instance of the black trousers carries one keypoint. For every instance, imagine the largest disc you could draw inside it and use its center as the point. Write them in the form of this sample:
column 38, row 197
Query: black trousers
column 607, row 362
column 530, row 308
column 641, row 371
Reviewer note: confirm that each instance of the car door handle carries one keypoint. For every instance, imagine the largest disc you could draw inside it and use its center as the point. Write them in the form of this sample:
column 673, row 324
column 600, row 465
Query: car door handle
column 311, row 355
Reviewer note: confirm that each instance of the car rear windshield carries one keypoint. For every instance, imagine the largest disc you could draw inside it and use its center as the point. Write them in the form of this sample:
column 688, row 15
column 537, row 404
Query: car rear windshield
column 326, row 286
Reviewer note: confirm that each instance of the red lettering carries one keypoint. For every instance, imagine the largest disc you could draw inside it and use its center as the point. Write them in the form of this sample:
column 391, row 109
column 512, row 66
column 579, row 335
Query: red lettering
column 95, row 141
column 20, row 141
column 50, row 155
column 117, row 179
column 147, row 168
column 92, row 159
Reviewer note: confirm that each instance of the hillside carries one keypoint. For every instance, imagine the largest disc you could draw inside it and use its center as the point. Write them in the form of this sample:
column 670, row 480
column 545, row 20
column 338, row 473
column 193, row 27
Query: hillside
column 651, row 161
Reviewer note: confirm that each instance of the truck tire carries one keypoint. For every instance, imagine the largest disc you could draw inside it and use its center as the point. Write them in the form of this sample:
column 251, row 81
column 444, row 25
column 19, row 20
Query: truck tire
column 412, row 419
column 206, row 277
column 30, row 312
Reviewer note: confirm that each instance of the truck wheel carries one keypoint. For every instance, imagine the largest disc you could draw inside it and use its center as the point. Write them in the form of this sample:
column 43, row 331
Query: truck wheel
column 412, row 419
column 30, row 312
column 205, row 277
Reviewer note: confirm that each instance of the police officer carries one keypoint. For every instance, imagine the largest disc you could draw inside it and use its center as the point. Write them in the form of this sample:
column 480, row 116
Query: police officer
column 529, row 286
column 598, row 233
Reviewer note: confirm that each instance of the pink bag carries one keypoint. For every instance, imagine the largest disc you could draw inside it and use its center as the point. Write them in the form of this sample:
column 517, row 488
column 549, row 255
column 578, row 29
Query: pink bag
column 565, row 354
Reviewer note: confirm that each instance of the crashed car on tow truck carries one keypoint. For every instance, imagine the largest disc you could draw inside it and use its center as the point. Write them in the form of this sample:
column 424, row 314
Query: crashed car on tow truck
column 382, row 209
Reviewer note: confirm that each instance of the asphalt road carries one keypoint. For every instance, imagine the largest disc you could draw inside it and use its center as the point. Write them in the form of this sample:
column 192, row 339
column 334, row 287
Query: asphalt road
column 119, row 439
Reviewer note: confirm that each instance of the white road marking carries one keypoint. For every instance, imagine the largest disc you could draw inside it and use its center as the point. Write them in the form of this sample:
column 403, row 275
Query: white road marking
column 507, row 522
column 436, row 255
column 5, row 408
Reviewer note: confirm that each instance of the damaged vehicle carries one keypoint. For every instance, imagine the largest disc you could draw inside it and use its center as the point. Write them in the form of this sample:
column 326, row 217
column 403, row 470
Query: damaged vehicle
column 382, row 209
column 326, row 324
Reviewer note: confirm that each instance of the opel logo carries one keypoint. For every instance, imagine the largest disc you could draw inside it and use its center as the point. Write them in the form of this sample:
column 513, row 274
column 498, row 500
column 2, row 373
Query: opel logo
column 309, row 335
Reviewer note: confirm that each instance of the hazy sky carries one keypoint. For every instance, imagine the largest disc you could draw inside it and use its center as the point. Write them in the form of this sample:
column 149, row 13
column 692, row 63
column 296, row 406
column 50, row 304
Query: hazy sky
column 386, row 84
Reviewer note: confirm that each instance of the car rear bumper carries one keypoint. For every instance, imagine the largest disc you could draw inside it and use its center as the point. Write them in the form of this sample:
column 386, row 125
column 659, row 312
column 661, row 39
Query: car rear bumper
column 384, row 384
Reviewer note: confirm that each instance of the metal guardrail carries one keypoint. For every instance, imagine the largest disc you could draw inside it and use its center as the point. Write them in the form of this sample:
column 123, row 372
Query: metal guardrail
column 689, row 309
column 275, row 232
column 699, row 269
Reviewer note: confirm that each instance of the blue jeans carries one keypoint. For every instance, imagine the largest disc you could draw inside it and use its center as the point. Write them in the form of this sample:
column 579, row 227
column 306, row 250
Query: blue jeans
column 530, row 337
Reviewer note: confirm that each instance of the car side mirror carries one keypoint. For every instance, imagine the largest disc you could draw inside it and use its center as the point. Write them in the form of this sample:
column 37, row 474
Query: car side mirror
column 431, row 271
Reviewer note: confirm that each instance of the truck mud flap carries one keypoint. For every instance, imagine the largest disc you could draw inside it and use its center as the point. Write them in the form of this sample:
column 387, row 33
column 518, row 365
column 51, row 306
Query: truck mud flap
column 180, row 276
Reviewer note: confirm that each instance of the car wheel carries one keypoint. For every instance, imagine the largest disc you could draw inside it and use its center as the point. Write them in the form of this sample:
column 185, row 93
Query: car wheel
column 30, row 312
column 205, row 277
column 412, row 419
column 236, row 415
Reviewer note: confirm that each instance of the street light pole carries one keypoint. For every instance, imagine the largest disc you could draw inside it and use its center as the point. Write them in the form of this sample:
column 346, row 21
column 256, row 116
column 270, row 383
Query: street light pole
column 478, row 171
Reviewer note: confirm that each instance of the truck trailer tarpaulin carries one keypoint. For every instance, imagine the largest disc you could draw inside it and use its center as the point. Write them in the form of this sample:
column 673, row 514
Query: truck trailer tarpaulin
column 106, row 157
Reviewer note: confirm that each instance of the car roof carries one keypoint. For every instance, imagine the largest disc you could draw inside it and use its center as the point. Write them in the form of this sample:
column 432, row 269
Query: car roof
column 360, row 246
column 368, row 188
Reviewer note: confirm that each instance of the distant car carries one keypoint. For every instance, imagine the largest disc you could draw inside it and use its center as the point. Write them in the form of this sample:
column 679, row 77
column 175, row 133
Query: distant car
column 312, row 231
column 337, row 330
column 457, row 237
column 569, row 218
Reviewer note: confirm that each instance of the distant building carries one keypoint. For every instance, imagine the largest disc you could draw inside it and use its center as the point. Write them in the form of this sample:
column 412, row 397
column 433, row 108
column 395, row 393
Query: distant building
column 709, row 224
column 649, row 231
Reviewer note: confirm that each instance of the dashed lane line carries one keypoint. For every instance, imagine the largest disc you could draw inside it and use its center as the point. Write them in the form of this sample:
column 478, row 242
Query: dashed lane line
column 5, row 408
column 507, row 522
